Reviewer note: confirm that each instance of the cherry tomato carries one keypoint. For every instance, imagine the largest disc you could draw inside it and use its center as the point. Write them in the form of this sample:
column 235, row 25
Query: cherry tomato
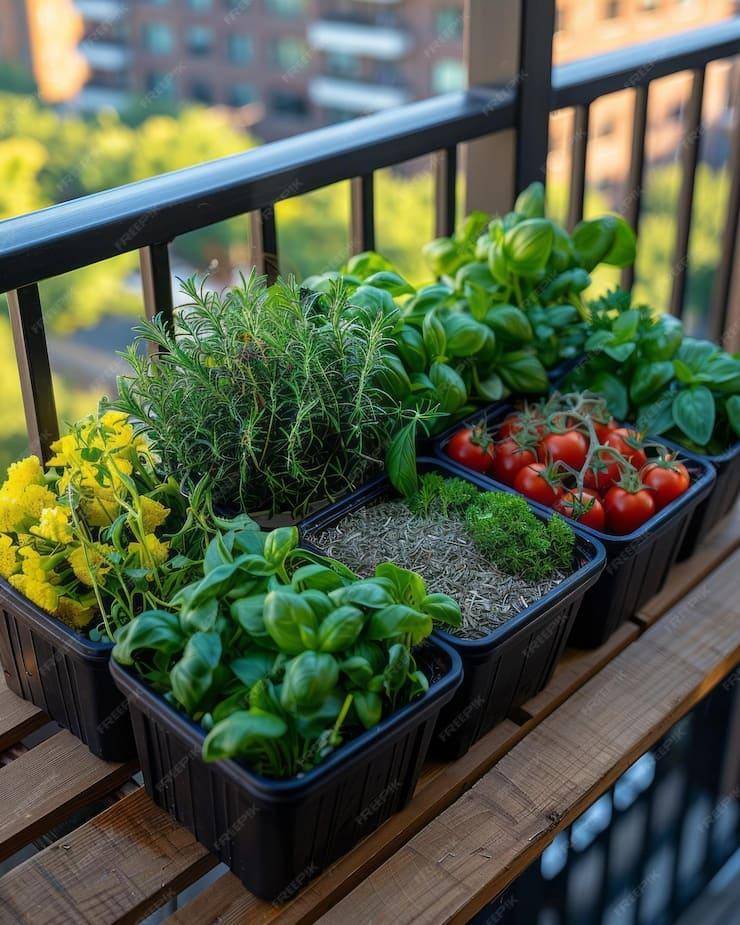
column 603, row 472
column 668, row 480
column 510, row 458
column 619, row 440
column 585, row 507
column 627, row 510
column 603, row 430
column 519, row 422
column 472, row 447
column 570, row 448
column 533, row 482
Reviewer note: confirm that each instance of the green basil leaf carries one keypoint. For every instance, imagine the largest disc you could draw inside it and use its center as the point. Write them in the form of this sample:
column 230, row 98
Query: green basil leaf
column 369, row 593
column 248, row 612
column 696, row 353
column 733, row 413
column 531, row 201
column 341, row 628
column 410, row 347
column 445, row 256
column 523, row 372
column 662, row 340
column 309, row 678
column 620, row 352
column 442, row 609
column 399, row 620
column 242, row 732
column 433, row 332
column 560, row 316
column 649, row 379
column 192, row 675
column 365, row 263
column 465, row 336
column 369, row 708
column 287, row 617
column 201, row 618
column 391, row 282
column 491, row 388
column 407, row 586
column 694, row 413
column 626, row 325
column 509, row 322
column 358, row 670
column 253, row 666
column 498, row 263
column 399, row 662
column 527, row 246
column 401, row 460
column 593, row 239
column 157, row 630
column 319, row 577
column 449, row 387
column 613, row 390
column 657, row 417
column 279, row 543
column 624, row 248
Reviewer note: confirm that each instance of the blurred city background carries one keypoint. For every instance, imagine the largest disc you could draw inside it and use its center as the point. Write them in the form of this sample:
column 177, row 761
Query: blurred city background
column 97, row 93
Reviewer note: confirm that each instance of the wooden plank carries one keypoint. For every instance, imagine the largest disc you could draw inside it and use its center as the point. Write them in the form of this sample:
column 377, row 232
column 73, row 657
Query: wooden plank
column 718, row 545
column 119, row 867
column 49, row 782
column 18, row 718
column 575, row 668
column 474, row 849
column 227, row 901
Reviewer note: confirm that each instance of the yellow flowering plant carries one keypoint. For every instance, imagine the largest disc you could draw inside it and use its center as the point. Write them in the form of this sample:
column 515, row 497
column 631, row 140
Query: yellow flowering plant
column 100, row 535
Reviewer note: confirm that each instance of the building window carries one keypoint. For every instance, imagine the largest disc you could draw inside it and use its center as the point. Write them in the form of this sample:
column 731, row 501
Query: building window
column 239, row 48
column 201, row 91
column 289, row 52
column 289, row 104
column 242, row 94
column 289, row 9
column 158, row 38
column 449, row 23
column 160, row 84
column 448, row 74
column 613, row 9
column 199, row 40
column 342, row 64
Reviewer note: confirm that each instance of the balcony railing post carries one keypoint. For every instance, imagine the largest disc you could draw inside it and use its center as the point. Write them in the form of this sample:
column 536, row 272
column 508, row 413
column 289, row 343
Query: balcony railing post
column 156, row 281
column 34, row 370
column 490, row 162
column 534, row 85
column 265, row 243
column 362, row 209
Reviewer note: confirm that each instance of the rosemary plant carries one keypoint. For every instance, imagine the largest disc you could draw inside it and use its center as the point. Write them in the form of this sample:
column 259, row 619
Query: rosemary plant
column 273, row 392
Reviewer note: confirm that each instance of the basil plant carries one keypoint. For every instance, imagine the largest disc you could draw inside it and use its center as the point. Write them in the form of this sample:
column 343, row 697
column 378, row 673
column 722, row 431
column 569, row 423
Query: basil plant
column 281, row 654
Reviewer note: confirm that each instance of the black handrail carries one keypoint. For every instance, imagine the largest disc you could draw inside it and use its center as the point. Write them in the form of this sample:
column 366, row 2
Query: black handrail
column 92, row 228
column 77, row 233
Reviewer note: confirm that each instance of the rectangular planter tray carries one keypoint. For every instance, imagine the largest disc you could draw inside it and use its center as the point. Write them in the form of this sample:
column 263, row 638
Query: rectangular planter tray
column 514, row 662
column 64, row 674
column 276, row 835
column 637, row 564
column 719, row 502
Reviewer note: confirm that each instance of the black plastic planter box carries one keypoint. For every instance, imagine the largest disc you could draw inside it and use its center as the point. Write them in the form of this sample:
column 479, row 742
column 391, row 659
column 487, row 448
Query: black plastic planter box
column 276, row 835
column 720, row 501
column 636, row 564
column 514, row 662
column 65, row 675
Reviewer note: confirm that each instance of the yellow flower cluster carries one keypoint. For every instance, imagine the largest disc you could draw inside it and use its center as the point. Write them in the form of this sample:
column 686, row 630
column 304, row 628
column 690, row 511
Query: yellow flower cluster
column 68, row 536
column 23, row 496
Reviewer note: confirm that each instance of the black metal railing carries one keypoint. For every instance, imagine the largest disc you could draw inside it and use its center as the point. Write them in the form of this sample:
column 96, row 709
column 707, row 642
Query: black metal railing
column 647, row 848
column 147, row 215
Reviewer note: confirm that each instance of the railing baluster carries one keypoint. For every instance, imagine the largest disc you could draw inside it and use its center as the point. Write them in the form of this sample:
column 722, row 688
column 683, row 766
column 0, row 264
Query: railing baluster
column 362, row 213
column 264, row 242
column 724, row 321
column 578, row 166
column 689, row 159
column 156, row 283
column 633, row 198
column 445, row 191
column 534, row 83
column 34, row 370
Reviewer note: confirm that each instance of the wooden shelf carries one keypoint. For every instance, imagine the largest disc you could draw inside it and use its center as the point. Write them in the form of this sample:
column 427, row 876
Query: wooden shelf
column 471, row 828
